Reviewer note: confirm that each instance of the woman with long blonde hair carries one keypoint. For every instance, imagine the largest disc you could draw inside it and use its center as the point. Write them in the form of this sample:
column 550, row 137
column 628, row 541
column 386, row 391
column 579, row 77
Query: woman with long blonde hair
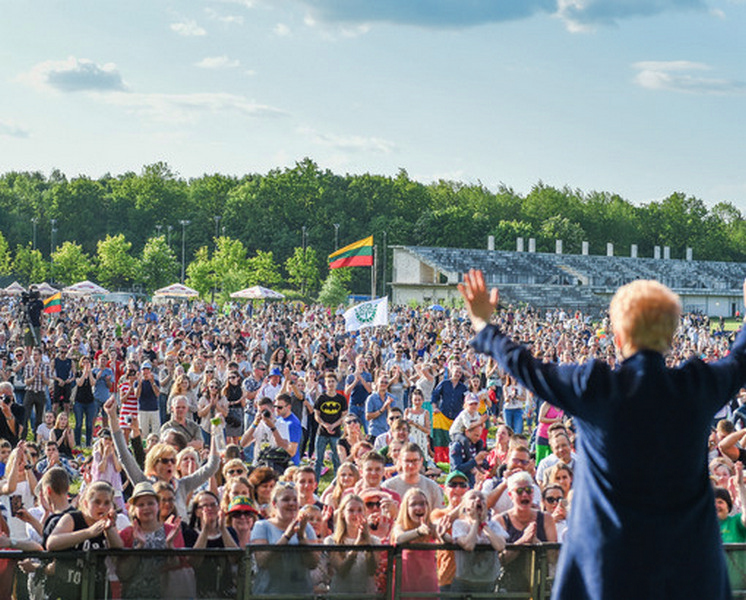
column 353, row 570
column 413, row 526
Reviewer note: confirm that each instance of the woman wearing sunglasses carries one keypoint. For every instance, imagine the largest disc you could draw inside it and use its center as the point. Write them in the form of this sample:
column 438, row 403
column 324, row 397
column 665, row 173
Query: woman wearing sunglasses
column 160, row 464
column 524, row 525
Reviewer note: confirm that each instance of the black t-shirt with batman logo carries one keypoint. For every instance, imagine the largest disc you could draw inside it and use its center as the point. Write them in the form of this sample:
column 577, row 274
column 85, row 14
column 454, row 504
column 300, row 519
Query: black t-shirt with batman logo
column 330, row 409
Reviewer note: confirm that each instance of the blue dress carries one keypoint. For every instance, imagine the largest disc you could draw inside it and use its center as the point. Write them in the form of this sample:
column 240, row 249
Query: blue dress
column 643, row 521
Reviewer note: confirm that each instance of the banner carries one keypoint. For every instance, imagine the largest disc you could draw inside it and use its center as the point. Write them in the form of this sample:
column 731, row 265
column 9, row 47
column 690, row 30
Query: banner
column 367, row 314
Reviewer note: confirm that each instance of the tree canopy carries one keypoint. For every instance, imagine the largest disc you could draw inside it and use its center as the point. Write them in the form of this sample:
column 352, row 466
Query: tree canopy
column 251, row 230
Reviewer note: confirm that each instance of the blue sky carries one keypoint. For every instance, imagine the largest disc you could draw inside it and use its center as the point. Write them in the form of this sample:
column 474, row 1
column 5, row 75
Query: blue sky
column 637, row 97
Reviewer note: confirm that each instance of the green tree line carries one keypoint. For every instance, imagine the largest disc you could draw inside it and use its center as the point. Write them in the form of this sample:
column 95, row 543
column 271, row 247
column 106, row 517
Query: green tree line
column 278, row 228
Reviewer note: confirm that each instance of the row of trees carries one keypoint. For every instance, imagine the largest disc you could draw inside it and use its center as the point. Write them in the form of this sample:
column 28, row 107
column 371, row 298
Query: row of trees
column 280, row 213
column 226, row 269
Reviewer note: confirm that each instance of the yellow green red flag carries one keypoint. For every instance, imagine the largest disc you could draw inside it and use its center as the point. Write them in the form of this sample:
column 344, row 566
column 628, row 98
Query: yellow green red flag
column 53, row 304
column 357, row 254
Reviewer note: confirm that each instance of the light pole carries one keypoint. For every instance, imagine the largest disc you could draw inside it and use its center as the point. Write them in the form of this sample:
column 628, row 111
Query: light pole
column 34, row 221
column 303, row 267
column 51, row 247
column 336, row 237
column 169, row 228
column 384, row 264
column 158, row 229
column 184, row 223
column 217, row 229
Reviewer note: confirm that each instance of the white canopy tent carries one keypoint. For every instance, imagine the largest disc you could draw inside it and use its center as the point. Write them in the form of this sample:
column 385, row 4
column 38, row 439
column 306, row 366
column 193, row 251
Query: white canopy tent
column 14, row 289
column 257, row 292
column 176, row 290
column 84, row 288
column 45, row 289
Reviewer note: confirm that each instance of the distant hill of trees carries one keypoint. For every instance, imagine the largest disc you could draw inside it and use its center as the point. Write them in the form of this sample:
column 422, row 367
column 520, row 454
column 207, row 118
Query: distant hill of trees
column 268, row 213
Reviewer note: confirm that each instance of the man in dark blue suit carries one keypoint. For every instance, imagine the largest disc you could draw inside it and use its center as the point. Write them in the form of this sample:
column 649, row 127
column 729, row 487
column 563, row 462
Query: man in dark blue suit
column 643, row 522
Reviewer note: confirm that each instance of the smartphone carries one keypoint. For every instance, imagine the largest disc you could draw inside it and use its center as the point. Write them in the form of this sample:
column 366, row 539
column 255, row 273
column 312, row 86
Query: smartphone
column 16, row 504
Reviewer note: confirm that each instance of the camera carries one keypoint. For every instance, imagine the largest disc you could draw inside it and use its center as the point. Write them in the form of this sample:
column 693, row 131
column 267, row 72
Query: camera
column 266, row 413
column 29, row 296
column 7, row 399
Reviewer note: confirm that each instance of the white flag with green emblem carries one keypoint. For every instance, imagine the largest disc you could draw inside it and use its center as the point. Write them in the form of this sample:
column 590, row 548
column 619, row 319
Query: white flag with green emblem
column 367, row 314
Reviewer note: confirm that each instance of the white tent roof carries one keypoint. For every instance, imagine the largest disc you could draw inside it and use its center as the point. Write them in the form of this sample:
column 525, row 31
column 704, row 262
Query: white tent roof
column 176, row 290
column 84, row 288
column 14, row 289
column 257, row 292
column 45, row 289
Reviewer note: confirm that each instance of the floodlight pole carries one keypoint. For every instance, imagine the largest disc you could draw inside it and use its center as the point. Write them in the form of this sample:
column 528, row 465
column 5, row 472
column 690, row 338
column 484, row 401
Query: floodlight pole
column 184, row 223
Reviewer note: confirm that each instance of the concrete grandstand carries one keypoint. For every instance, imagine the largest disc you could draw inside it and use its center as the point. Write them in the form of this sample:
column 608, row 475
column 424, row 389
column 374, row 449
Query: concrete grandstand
column 550, row 280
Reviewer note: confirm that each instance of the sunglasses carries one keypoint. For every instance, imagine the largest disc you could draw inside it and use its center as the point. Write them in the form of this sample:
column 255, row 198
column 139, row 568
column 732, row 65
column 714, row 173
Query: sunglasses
column 552, row 499
column 458, row 484
column 373, row 504
column 236, row 471
column 167, row 461
column 523, row 490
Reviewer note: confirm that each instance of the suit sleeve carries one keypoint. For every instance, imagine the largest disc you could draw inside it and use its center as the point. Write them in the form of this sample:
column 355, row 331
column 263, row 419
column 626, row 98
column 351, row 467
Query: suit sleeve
column 565, row 386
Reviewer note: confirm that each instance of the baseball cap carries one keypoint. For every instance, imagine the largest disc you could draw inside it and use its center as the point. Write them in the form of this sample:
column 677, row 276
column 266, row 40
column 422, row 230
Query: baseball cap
column 242, row 504
column 471, row 398
column 456, row 475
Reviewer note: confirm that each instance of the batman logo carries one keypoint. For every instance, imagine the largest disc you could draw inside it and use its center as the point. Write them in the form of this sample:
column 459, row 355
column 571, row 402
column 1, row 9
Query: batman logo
column 331, row 407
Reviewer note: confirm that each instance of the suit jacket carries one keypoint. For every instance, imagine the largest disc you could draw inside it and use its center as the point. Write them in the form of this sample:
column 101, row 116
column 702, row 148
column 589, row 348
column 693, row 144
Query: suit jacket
column 643, row 522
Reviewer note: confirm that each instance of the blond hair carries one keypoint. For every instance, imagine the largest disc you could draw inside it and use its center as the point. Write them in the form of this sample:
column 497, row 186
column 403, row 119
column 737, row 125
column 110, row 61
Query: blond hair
column 645, row 314
column 403, row 521
column 156, row 453
column 340, row 525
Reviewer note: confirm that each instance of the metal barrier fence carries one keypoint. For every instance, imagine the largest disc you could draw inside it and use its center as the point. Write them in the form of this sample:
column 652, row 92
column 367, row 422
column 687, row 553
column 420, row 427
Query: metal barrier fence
column 339, row 572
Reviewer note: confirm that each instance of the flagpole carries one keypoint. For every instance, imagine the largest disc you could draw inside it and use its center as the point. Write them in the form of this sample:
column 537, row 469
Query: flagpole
column 373, row 273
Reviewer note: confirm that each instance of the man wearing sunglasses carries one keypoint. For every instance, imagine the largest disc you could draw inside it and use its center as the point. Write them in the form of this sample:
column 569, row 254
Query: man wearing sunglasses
column 283, row 409
column 519, row 459
column 11, row 415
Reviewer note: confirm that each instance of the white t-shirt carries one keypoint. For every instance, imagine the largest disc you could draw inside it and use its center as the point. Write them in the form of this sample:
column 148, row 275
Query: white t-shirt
column 478, row 565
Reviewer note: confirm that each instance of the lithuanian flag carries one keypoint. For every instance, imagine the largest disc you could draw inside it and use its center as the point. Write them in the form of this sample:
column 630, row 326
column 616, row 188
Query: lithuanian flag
column 359, row 254
column 53, row 304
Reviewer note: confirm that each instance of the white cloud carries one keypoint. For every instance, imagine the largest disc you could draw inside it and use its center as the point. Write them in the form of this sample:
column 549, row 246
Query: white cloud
column 226, row 19
column 74, row 75
column 683, row 76
column 11, row 129
column 189, row 107
column 188, row 28
column 281, row 30
column 578, row 15
column 217, row 62
column 244, row 3
column 351, row 143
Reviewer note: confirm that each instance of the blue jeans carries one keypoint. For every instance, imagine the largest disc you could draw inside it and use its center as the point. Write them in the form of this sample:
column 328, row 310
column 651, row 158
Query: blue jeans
column 89, row 411
column 162, row 402
column 321, row 442
column 514, row 419
column 359, row 411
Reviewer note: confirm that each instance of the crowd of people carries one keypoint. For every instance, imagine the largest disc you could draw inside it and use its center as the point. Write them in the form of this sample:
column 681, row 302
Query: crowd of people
column 182, row 426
